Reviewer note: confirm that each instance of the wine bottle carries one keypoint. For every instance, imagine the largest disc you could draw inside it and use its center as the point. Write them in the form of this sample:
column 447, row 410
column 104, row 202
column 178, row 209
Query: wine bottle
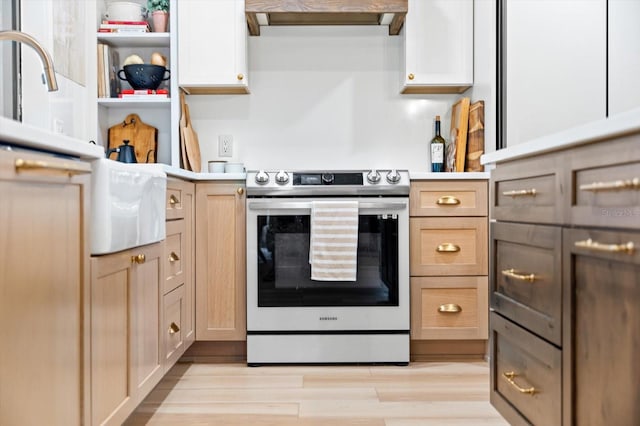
column 437, row 149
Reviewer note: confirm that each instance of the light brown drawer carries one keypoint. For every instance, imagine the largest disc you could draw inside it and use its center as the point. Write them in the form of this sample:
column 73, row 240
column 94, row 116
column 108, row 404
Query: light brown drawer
column 526, row 276
column 448, row 246
column 173, row 319
column 529, row 190
column 449, row 308
column 448, row 198
column 526, row 375
column 176, row 252
column 179, row 193
column 606, row 184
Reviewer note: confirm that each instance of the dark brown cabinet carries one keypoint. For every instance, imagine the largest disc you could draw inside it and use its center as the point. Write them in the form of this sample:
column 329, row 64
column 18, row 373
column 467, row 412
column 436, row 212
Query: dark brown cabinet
column 565, row 285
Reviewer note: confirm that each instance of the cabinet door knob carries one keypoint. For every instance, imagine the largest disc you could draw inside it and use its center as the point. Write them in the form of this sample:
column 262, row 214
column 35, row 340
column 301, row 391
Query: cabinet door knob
column 139, row 259
column 449, row 308
column 240, row 191
column 173, row 328
column 448, row 200
column 448, row 248
column 173, row 257
column 509, row 377
column 411, row 76
column 240, row 77
column 173, row 200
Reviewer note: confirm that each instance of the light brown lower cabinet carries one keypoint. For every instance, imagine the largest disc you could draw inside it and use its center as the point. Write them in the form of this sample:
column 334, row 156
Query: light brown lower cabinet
column 126, row 306
column 220, row 261
column 44, row 259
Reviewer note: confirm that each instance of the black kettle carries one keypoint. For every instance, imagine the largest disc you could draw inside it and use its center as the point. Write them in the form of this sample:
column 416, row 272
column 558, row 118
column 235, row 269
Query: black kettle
column 126, row 153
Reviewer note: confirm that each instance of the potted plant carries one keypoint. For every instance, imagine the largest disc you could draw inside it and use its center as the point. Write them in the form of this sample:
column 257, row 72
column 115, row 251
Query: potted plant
column 159, row 14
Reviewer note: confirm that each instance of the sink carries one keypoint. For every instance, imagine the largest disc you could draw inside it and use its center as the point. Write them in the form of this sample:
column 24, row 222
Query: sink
column 127, row 205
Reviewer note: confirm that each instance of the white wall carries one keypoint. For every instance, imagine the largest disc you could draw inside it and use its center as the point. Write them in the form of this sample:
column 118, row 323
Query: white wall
column 71, row 105
column 322, row 98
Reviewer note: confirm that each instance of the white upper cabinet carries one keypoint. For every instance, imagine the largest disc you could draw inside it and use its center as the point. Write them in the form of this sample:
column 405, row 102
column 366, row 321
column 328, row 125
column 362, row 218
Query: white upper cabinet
column 438, row 46
column 212, row 46
column 624, row 55
column 555, row 66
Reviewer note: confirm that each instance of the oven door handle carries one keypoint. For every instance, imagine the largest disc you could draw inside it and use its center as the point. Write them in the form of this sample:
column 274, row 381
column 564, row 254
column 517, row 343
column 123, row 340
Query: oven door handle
column 306, row 205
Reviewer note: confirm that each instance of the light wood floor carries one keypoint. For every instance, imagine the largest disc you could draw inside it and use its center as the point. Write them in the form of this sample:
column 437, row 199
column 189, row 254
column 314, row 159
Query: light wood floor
column 421, row 394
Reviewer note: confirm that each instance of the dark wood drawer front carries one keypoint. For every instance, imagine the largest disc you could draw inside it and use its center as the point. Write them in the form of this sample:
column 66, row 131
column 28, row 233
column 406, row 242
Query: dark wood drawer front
column 527, row 278
column 604, row 281
column 528, row 190
column 526, row 377
column 607, row 185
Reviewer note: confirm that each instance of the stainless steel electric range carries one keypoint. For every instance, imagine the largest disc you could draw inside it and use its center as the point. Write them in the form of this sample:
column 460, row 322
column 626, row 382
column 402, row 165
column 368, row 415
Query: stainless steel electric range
column 292, row 318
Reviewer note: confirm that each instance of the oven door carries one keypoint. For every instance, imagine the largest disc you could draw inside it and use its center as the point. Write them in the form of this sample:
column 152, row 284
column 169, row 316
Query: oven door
column 280, row 293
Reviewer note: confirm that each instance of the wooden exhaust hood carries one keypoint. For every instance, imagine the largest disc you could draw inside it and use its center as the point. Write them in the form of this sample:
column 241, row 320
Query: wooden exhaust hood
column 325, row 12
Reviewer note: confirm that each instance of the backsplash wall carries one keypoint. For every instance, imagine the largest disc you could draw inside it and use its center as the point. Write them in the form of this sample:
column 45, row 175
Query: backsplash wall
column 322, row 98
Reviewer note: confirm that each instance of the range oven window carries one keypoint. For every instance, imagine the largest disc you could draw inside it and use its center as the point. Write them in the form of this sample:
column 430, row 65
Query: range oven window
column 284, row 272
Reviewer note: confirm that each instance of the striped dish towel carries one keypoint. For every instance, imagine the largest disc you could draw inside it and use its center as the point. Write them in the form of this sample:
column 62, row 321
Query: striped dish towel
column 333, row 250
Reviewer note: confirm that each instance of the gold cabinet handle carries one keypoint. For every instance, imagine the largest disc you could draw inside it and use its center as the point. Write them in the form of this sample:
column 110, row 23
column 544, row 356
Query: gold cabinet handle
column 447, row 248
column 511, row 273
column 67, row 168
column 240, row 191
column 448, row 200
column 139, row 259
column 610, row 248
column 240, row 77
column 612, row 186
column 509, row 376
column 449, row 308
column 173, row 257
column 521, row 193
column 173, row 200
column 411, row 76
column 173, row 328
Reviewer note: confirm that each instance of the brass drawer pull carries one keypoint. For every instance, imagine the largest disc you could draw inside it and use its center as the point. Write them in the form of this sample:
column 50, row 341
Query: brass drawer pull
column 612, row 186
column 240, row 191
column 610, row 248
column 521, row 193
column 511, row 273
column 510, row 376
column 173, row 328
column 67, row 168
column 173, row 200
column 173, row 257
column 240, row 77
column 139, row 259
column 448, row 248
column 411, row 76
column 448, row 200
column 449, row 308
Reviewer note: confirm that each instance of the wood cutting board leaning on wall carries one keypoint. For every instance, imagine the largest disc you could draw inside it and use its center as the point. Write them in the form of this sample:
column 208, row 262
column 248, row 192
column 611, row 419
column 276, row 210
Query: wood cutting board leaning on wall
column 143, row 138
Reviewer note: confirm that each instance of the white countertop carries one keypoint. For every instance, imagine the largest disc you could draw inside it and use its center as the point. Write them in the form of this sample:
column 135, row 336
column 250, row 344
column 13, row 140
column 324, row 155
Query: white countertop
column 448, row 176
column 620, row 124
column 15, row 133
column 189, row 175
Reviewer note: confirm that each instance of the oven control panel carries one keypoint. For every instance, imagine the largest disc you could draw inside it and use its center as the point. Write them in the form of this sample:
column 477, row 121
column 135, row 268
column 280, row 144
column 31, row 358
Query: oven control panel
column 329, row 183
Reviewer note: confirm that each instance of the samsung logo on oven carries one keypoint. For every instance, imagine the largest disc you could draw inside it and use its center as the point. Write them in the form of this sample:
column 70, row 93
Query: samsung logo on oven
column 328, row 318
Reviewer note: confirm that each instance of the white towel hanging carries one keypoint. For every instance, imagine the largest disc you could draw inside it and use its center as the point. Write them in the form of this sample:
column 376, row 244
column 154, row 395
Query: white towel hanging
column 333, row 249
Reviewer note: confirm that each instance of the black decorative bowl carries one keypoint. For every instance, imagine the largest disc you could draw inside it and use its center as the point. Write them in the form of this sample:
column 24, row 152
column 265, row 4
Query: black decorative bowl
column 144, row 76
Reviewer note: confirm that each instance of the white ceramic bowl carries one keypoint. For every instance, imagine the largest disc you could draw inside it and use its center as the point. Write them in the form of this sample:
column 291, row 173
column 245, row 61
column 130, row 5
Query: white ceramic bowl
column 234, row 168
column 125, row 11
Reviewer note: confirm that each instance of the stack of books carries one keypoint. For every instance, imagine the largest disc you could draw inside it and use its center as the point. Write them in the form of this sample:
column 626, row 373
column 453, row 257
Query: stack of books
column 143, row 94
column 108, row 65
column 124, row 27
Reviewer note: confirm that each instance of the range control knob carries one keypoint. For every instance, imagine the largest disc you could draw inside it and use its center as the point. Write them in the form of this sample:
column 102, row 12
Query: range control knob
column 282, row 177
column 373, row 176
column 327, row 178
column 393, row 176
column 262, row 177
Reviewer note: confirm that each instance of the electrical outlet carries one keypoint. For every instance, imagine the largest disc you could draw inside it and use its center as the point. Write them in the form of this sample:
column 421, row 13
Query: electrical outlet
column 225, row 145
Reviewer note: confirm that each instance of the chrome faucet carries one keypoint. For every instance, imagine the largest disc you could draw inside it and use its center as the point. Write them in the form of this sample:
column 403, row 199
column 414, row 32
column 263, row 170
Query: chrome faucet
column 45, row 58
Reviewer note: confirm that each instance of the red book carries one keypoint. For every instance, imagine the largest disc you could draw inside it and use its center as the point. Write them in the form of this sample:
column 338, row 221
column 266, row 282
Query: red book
column 125, row 22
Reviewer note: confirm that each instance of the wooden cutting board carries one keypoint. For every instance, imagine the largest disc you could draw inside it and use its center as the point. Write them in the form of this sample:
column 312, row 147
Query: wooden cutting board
column 475, row 142
column 192, row 144
column 143, row 137
column 183, row 125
